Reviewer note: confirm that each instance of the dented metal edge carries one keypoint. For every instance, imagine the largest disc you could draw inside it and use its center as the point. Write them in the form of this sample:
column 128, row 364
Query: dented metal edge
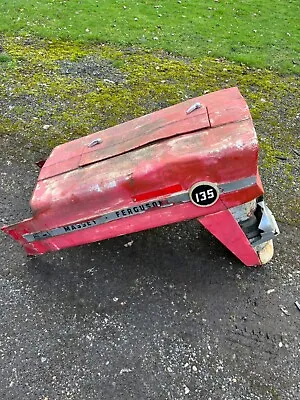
column 267, row 225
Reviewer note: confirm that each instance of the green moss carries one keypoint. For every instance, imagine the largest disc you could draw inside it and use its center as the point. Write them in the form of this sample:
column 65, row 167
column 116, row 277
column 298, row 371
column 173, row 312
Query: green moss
column 4, row 58
column 75, row 105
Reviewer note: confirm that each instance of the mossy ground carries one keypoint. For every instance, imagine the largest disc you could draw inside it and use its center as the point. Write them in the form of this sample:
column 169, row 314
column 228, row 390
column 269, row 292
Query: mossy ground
column 55, row 91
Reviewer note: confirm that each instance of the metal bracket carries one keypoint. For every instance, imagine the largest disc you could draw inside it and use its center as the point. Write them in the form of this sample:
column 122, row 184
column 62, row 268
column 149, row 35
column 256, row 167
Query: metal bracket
column 193, row 108
column 95, row 142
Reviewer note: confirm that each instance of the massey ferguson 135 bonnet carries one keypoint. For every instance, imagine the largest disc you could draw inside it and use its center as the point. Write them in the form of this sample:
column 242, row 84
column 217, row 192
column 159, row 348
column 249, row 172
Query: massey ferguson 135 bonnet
column 197, row 159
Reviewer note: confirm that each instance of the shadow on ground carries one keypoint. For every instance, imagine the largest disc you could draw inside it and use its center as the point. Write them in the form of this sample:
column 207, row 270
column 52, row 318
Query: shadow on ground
column 163, row 314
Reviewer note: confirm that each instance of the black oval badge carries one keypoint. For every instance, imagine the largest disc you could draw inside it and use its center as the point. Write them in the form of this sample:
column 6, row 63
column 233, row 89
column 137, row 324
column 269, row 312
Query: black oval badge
column 204, row 194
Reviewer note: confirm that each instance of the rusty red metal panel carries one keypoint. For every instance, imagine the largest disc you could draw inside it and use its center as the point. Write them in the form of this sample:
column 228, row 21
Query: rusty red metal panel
column 217, row 155
column 160, row 125
column 216, row 109
column 143, row 174
column 63, row 158
column 125, row 137
column 17, row 231
column 154, row 218
column 227, row 107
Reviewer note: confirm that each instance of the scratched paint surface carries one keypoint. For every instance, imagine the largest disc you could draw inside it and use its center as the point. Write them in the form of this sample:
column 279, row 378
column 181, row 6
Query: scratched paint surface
column 182, row 152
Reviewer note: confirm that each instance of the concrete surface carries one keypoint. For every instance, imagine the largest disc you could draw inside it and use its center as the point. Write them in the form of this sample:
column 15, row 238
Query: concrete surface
column 163, row 314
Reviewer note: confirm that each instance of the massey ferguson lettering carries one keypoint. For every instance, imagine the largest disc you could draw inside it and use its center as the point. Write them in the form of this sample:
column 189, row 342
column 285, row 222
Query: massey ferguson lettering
column 126, row 212
column 112, row 216
column 82, row 225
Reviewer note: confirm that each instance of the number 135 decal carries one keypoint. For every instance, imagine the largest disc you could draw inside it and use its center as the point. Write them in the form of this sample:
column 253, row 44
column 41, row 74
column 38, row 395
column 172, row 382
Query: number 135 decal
column 204, row 194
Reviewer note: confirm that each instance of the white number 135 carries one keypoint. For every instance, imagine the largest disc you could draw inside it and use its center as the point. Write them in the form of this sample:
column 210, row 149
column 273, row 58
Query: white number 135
column 202, row 196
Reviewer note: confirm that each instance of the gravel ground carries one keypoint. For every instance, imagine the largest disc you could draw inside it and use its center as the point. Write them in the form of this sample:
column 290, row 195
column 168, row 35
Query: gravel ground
column 163, row 314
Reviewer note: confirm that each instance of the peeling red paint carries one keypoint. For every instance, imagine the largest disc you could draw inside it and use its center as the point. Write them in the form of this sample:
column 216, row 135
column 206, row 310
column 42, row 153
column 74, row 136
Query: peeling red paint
column 149, row 158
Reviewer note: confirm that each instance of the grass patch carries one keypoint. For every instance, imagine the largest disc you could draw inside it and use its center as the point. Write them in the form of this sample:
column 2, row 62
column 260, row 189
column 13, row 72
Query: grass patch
column 257, row 33
column 4, row 58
